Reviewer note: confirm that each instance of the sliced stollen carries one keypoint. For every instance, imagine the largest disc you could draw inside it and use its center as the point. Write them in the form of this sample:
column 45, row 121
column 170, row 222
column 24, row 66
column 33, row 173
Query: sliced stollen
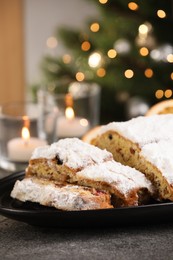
column 71, row 160
column 127, row 186
column 54, row 162
column 145, row 143
column 63, row 197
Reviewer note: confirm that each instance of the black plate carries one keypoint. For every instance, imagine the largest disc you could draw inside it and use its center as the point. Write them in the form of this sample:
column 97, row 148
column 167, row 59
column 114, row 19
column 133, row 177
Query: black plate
column 35, row 214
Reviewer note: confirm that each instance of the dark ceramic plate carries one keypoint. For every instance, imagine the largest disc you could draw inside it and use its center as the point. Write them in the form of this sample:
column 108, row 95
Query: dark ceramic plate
column 34, row 214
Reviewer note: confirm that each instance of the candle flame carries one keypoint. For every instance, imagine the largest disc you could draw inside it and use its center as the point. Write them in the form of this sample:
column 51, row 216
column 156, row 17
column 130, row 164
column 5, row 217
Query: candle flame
column 69, row 113
column 69, row 100
column 26, row 121
column 25, row 134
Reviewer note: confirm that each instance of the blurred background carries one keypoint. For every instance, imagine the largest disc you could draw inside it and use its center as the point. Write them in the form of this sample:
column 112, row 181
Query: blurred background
column 124, row 46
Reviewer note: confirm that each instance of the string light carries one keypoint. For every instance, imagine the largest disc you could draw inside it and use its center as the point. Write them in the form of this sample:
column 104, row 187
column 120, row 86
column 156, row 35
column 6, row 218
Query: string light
column 133, row 6
column 80, row 76
column 143, row 29
column 145, row 36
column 101, row 72
column 103, row 1
column 112, row 53
column 85, row 46
column 52, row 42
column 66, row 58
column 95, row 27
column 168, row 93
column 159, row 93
column 94, row 60
column 129, row 74
column 172, row 75
column 161, row 14
column 148, row 73
column 163, row 53
column 143, row 51
column 170, row 58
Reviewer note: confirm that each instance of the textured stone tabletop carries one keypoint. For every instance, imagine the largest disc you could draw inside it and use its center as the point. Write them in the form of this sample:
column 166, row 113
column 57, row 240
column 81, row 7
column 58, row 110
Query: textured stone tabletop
column 22, row 241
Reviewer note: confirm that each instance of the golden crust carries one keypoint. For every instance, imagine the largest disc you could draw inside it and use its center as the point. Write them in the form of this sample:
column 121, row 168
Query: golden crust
column 128, row 153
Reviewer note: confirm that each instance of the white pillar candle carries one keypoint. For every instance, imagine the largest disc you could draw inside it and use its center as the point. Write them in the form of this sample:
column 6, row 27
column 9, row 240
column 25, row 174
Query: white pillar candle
column 75, row 127
column 71, row 126
column 20, row 151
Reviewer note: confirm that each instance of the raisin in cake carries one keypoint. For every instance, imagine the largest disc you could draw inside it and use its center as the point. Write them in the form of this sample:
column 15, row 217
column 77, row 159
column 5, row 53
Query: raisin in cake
column 73, row 161
column 145, row 143
column 56, row 161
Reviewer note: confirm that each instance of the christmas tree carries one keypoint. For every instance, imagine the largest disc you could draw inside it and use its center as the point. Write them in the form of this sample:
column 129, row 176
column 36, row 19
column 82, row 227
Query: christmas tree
column 127, row 50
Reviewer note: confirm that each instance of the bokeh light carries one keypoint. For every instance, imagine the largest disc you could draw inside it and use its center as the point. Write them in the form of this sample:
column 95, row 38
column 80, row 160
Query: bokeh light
column 80, row 76
column 129, row 74
column 112, row 53
column 95, row 27
column 52, row 42
column 159, row 94
column 148, row 73
column 85, row 46
column 161, row 14
column 144, row 51
column 101, row 72
column 133, row 6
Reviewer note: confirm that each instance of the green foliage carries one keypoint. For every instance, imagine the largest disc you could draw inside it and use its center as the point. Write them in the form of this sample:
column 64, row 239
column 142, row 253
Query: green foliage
column 117, row 23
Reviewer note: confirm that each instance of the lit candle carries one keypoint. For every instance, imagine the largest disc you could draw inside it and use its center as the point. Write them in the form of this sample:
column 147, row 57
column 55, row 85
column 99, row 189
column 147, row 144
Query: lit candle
column 71, row 126
column 20, row 149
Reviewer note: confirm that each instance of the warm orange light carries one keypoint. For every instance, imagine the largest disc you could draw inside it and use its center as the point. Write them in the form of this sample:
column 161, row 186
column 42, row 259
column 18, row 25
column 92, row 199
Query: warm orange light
column 25, row 134
column 161, row 14
column 129, row 74
column 133, row 6
column 172, row 75
column 159, row 93
column 103, row 1
column 144, row 51
column 168, row 93
column 148, row 73
column 85, row 46
column 69, row 113
column 26, row 121
column 94, row 27
column 69, row 100
column 112, row 53
column 101, row 72
column 80, row 76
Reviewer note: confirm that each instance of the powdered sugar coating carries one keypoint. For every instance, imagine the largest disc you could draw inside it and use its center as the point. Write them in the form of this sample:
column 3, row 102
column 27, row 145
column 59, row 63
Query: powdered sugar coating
column 143, row 130
column 123, row 178
column 154, row 135
column 73, row 152
column 69, row 197
column 160, row 155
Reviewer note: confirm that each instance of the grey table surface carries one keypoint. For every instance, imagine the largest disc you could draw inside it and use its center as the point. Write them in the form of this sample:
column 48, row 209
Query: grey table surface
column 20, row 240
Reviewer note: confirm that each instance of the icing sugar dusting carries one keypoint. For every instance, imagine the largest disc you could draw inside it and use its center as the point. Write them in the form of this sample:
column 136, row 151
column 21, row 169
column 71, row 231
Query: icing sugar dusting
column 123, row 178
column 160, row 154
column 68, row 197
column 73, row 152
column 143, row 130
column 154, row 135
